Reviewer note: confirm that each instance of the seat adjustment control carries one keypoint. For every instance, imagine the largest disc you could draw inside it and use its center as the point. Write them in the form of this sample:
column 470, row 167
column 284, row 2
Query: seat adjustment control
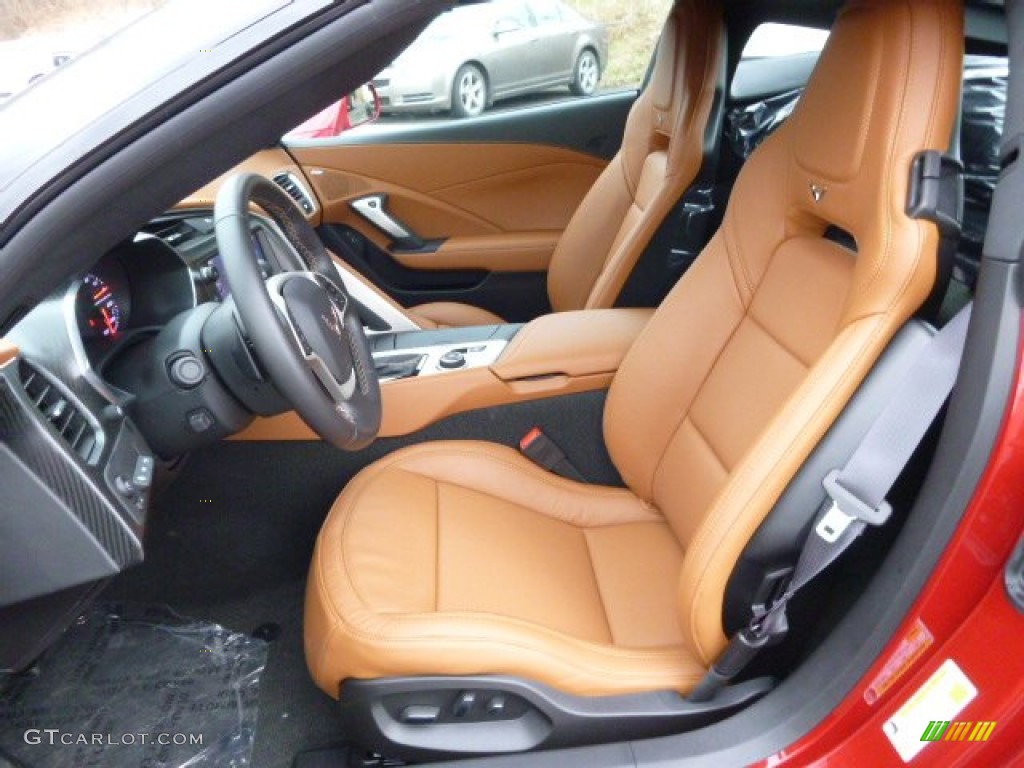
column 420, row 714
column 463, row 704
column 496, row 706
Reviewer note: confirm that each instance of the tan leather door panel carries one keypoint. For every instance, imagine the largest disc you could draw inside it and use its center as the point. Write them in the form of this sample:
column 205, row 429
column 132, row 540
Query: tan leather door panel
column 495, row 195
column 514, row 252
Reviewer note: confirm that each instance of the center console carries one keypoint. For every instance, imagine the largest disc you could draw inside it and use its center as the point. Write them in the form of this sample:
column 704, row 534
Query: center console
column 412, row 354
column 429, row 375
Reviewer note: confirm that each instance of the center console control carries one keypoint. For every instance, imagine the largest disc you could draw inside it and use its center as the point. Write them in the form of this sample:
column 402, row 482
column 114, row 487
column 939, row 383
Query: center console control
column 436, row 359
column 410, row 354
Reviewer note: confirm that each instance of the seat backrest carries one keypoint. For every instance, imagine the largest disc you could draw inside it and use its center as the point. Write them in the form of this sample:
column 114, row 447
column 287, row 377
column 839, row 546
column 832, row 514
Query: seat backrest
column 661, row 154
column 765, row 338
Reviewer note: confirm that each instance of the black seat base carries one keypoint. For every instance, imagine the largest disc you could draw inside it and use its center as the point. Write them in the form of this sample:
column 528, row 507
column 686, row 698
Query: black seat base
column 433, row 718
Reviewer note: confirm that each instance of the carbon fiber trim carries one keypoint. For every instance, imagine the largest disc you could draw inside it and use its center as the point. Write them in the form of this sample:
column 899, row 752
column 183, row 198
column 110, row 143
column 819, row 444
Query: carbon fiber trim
column 38, row 447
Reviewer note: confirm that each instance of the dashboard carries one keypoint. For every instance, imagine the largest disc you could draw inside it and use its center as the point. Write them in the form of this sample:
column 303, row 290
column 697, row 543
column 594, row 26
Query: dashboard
column 105, row 383
column 88, row 406
column 133, row 291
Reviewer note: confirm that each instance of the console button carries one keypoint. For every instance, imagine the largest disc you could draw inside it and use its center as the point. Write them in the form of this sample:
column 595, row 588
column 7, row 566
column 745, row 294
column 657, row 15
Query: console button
column 186, row 371
column 419, row 714
column 200, row 420
column 453, row 359
column 496, row 706
column 124, row 487
column 143, row 477
column 463, row 704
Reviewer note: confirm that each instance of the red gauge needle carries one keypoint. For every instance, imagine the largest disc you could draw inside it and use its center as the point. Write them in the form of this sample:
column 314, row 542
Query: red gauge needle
column 109, row 321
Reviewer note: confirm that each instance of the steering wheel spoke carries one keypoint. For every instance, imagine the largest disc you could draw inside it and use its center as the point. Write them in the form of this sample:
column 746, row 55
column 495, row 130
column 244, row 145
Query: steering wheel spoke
column 339, row 388
column 300, row 322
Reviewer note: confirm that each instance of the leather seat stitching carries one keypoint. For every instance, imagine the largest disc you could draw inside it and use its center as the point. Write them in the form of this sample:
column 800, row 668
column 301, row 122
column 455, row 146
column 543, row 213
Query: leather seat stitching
column 607, row 650
column 347, row 503
column 437, row 546
column 703, row 436
column 597, row 584
column 696, row 394
column 715, row 516
column 778, row 342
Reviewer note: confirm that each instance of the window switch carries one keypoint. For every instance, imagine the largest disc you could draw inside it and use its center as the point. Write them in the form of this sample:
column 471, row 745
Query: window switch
column 420, row 714
column 463, row 704
column 496, row 707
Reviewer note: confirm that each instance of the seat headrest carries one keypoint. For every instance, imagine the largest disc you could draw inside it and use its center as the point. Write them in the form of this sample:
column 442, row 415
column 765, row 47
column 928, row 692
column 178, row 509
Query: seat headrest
column 885, row 88
column 690, row 44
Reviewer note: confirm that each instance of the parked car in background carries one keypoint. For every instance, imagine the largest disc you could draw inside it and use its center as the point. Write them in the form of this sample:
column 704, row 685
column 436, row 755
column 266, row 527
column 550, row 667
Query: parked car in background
column 472, row 56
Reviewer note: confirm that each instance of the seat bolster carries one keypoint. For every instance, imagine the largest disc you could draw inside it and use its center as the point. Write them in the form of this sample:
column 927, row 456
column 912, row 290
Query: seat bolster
column 364, row 645
column 451, row 314
column 355, row 630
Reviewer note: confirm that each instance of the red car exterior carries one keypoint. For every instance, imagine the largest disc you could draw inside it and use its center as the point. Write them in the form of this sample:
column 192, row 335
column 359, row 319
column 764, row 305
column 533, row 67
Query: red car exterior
column 357, row 108
column 967, row 612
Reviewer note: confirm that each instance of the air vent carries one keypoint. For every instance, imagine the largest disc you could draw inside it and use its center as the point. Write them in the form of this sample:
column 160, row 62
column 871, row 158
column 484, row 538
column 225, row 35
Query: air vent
column 175, row 232
column 60, row 411
column 290, row 184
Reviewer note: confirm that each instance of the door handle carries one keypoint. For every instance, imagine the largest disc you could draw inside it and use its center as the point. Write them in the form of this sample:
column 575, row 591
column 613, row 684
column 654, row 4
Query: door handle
column 373, row 208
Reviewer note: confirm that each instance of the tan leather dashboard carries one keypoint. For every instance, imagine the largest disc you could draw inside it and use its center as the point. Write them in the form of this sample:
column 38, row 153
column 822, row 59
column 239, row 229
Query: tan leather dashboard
column 7, row 351
column 559, row 354
column 268, row 163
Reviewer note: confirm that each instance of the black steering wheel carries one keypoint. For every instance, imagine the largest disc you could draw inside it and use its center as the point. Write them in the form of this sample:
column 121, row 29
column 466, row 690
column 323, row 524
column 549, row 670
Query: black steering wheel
column 300, row 320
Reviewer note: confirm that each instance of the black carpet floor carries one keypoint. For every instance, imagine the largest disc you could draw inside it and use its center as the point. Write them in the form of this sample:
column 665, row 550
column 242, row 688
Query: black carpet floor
column 294, row 715
column 216, row 552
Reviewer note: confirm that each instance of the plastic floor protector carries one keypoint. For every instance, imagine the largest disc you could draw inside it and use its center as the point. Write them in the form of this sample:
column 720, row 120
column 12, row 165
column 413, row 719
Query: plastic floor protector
column 137, row 688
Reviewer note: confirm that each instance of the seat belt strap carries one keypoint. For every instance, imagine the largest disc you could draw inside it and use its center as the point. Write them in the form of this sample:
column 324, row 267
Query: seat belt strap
column 856, row 492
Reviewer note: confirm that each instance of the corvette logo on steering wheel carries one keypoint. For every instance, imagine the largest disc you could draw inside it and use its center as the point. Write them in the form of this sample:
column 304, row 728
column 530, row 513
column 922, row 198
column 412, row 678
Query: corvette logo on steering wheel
column 335, row 321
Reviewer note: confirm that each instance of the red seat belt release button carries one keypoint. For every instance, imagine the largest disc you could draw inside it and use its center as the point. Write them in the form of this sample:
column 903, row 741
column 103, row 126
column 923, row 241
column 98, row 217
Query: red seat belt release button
column 545, row 453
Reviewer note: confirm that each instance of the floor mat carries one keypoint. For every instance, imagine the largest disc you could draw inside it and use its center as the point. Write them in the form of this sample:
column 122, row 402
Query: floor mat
column 132, row 687
column 294, row 714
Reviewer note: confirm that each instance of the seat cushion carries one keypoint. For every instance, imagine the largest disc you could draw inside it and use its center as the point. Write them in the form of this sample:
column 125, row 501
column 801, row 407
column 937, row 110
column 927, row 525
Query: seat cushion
column 466, row 558
column 451, row 314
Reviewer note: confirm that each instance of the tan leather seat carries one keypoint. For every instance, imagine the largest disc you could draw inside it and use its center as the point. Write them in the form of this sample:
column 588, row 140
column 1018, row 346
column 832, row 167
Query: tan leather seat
column 661, row 154
column 452, row 558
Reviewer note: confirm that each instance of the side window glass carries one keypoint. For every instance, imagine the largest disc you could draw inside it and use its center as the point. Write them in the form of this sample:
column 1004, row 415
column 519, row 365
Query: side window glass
column 981, row 128
column 504, row 55
column 546, row 11
column 774, row 67
column 773, row 40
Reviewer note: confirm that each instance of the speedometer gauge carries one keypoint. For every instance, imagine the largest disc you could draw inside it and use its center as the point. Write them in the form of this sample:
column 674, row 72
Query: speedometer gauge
column 102, row 312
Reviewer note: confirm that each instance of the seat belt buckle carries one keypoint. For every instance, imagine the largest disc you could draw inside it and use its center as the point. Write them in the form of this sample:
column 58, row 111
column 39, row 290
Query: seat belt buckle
column 846, row 507
column 545, row 453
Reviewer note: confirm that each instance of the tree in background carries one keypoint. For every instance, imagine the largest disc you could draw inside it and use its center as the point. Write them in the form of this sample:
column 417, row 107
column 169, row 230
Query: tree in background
column 633, row 29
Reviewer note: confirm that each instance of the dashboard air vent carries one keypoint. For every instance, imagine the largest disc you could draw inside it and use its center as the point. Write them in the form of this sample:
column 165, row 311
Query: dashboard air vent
column 290, row 184
column 175, row 232
column 60, row 411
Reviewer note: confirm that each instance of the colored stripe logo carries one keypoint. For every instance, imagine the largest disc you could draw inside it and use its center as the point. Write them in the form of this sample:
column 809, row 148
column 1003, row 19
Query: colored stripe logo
column 958, row 730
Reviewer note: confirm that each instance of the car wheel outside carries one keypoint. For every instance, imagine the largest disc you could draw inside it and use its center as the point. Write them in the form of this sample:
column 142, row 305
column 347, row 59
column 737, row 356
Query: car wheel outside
column 586, row 74
column 469, row 91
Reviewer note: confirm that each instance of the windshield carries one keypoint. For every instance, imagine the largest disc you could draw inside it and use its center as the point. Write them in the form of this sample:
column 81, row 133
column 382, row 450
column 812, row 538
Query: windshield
column 38, row 38
column 99, row 59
